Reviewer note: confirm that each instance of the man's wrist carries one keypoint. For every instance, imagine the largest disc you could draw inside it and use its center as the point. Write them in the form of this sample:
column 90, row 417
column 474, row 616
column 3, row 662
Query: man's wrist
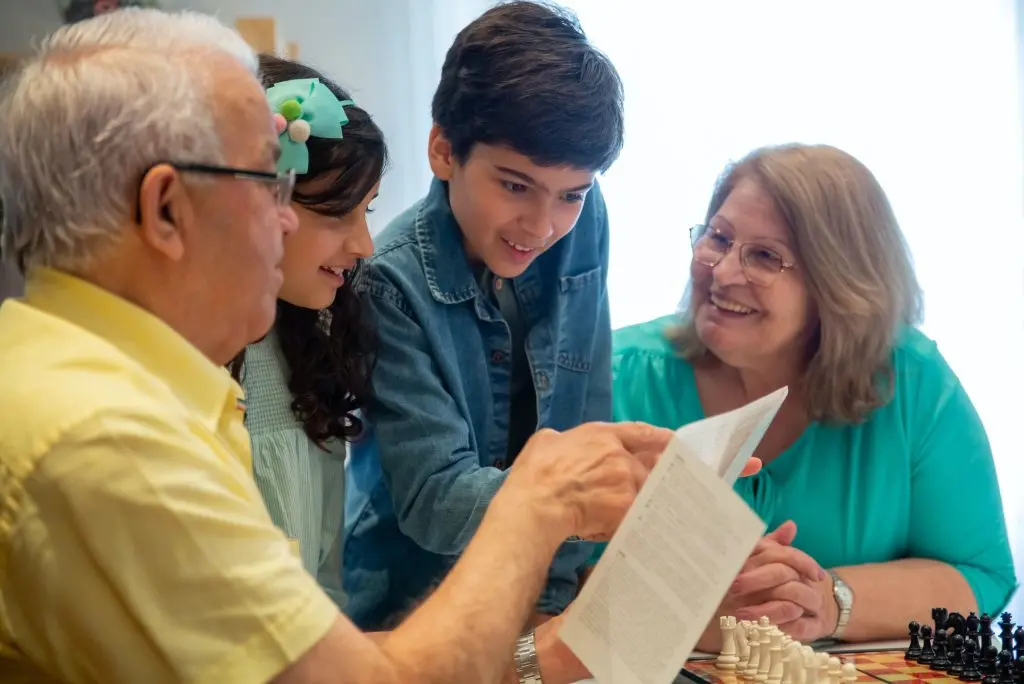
column 558, row 664
column 547, row 518
column 527, row 666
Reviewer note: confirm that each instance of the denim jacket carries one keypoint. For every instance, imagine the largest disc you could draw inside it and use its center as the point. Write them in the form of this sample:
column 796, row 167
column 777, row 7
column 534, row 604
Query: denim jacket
column 433, row 454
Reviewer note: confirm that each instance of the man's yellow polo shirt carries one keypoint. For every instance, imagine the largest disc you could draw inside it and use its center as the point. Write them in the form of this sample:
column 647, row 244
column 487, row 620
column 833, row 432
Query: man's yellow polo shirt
column 134, row 545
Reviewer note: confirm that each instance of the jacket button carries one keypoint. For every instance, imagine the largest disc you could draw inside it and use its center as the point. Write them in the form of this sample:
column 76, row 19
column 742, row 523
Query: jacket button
column 500, row 465
column 497, row 356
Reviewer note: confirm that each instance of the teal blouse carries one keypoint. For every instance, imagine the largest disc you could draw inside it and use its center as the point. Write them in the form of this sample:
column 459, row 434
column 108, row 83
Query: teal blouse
column 916, row 479
column 303, row 486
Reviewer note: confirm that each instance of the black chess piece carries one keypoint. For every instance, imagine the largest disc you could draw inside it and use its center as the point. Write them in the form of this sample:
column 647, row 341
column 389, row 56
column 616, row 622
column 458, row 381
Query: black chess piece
column 986, row 632
column 988, row 663
column 939, row 617
column 927, row 653
column 1005, row 668
column 971, row 672
column 991, row 678
column 956, row 655
column 914, row 649
column 973, row 625
column 1018, row 670
column 940, row 661
column 1018, row 642
column 1006, row 634
column 958, row 623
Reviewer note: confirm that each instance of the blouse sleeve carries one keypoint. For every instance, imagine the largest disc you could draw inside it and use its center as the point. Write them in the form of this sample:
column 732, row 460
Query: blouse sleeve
column 956, row 510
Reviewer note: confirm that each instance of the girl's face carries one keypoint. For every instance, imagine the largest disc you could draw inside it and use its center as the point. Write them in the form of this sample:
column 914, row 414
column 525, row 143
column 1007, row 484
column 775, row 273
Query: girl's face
column 318, row 254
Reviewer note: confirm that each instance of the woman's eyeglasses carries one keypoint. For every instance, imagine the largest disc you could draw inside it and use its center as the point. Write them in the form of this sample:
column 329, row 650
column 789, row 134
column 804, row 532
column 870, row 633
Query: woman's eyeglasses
column 760, row 264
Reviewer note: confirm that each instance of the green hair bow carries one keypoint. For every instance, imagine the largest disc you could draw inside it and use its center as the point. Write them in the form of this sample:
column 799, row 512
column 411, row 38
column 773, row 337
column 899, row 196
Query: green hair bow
column 304, row 108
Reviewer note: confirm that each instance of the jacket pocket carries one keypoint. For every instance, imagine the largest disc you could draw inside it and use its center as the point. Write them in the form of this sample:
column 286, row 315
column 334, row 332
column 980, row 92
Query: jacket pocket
column 580, row 300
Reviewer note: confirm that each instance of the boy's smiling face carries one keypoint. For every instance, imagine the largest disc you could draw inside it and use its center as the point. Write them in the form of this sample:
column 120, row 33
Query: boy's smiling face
column 510, row 209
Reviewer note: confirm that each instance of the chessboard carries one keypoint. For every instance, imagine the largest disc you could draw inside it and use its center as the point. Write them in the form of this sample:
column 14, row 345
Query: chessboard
column 956, row 649
column 869, row 666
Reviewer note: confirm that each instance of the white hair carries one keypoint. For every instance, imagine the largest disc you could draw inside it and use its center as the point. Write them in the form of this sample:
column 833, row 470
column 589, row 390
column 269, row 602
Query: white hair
column 102, row 101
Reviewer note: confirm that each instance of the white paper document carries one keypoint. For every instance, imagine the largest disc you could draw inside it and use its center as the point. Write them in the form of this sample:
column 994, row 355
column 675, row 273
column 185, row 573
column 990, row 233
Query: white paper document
column 673, row 558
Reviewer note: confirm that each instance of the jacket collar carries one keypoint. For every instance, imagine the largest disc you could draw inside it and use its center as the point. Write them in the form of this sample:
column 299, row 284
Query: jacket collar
column 445, row 263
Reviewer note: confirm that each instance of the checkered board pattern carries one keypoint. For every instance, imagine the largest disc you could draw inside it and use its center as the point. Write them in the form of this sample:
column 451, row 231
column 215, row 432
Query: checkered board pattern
column 874, row 666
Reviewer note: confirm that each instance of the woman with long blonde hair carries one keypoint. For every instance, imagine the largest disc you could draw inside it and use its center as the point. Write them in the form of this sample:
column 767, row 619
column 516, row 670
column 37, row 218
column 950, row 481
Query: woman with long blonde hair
column 800, row 277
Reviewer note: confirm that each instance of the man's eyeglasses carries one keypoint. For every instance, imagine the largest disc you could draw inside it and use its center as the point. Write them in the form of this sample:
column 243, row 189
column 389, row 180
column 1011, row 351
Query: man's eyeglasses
column 761, row 265
column 283, row 184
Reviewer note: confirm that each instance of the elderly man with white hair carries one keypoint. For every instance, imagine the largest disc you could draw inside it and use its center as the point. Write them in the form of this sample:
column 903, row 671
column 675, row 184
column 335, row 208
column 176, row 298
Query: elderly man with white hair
column 137, row 175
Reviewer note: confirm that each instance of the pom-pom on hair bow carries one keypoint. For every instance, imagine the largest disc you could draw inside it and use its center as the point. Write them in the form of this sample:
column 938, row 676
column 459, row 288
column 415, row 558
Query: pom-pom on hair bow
column 304, row 108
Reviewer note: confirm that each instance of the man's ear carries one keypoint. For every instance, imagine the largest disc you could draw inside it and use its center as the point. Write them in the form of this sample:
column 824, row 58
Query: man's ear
column 163, row 204
column 439, row 154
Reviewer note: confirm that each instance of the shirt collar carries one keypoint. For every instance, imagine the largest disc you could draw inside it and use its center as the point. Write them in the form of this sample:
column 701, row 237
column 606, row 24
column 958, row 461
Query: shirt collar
column 445, row 263
column 201, row 384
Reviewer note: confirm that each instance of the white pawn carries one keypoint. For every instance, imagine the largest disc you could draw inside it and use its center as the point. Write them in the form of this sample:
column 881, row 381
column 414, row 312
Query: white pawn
column 742, row 646
column 796, row 665
column 834, row 671
column 775, row 653
column 754, row 639
column 787, row 666
column 727, row 658
column 849, row 672
column 810, row 666
column 764, row 658
column 822, row 668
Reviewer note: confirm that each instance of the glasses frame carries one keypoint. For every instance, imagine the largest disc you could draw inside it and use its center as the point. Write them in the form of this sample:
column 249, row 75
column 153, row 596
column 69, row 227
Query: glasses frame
column 284, row 181
column 698, row 231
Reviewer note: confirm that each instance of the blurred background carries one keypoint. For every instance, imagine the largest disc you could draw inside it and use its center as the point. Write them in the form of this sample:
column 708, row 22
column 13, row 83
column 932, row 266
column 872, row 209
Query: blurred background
column 928, row 93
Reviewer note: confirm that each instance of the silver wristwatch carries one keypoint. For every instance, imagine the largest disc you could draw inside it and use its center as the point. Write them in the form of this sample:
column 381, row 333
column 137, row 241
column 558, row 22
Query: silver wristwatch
column 527, row 668
column 844, row 600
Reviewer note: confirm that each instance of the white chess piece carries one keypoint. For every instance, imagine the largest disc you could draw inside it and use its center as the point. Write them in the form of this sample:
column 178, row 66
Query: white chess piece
column 822, row 668
column 727, row 658
column 764, row 659
column 775, row 654
column 834, row 671
column 849, row 671
column 787, row 666
column 742, row 647
column 796, row 666
column 810, row 666
column 754, row 639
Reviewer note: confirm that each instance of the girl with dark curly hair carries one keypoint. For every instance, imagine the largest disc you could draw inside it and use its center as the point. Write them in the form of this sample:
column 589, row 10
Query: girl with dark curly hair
column 306, row 380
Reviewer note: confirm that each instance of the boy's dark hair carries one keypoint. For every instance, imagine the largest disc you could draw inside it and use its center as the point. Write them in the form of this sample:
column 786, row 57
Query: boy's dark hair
column 524, row 75
column 329, row 353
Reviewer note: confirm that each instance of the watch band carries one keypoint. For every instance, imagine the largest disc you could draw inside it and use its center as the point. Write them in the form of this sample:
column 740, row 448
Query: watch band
column 844, row 601
column 527, row 667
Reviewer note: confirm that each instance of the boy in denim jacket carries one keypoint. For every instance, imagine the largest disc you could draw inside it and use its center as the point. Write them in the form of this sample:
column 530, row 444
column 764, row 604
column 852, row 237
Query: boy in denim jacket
column 490, row 303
